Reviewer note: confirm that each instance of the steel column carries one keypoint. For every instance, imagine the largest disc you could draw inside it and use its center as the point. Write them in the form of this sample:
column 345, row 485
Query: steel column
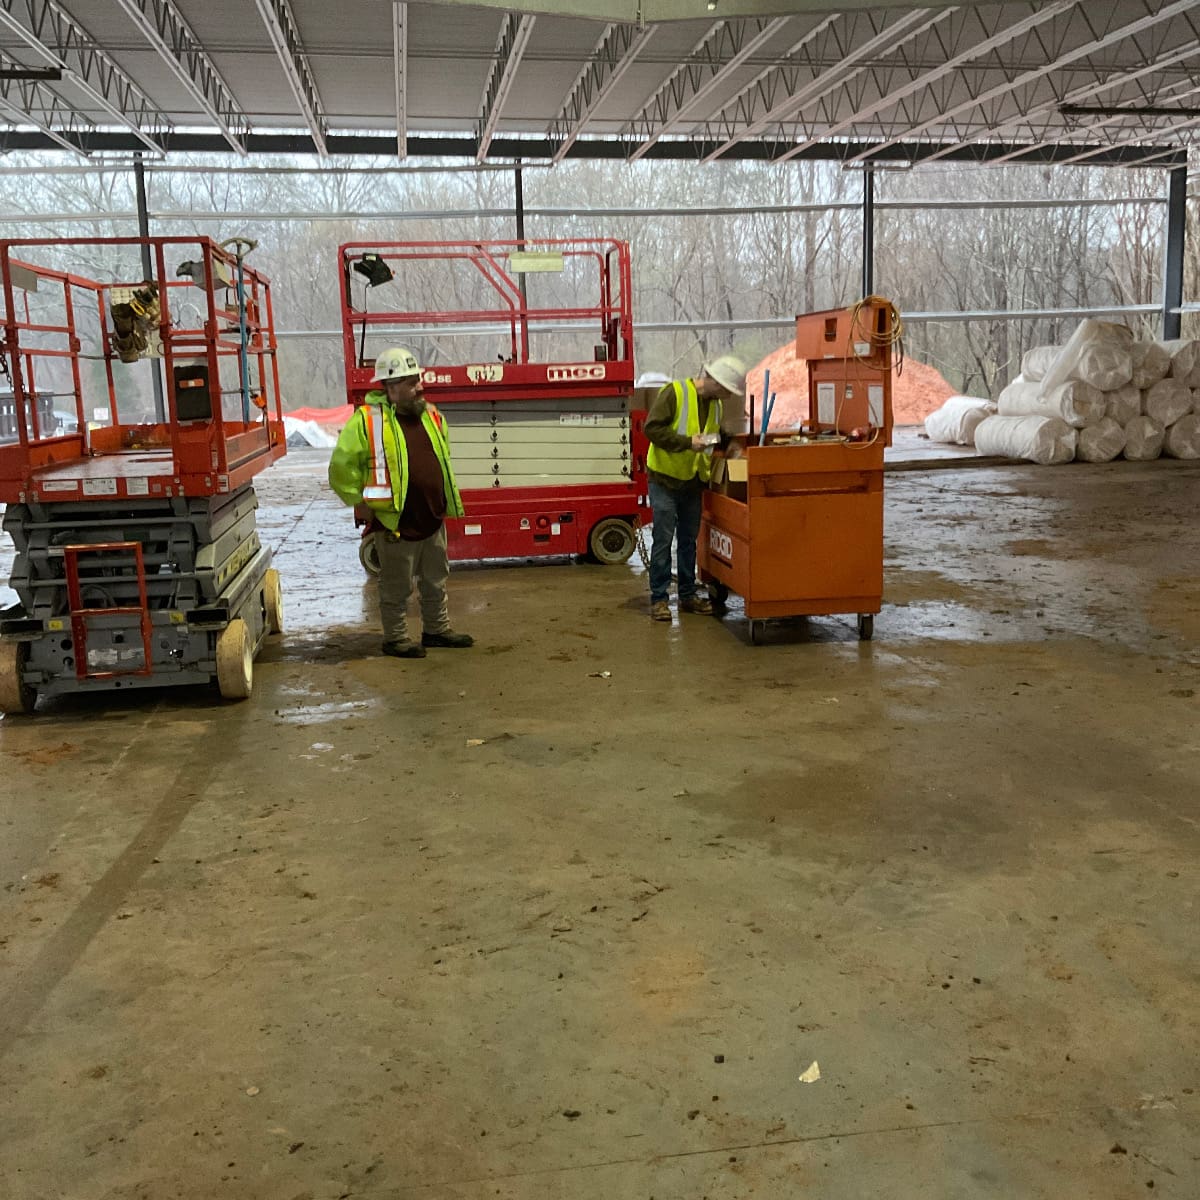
column 868, row 233
column 143, row 215
column 1173, row 252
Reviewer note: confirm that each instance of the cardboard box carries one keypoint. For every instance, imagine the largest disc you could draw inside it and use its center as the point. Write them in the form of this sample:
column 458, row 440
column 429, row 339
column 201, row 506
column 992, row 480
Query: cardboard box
column 729, row 477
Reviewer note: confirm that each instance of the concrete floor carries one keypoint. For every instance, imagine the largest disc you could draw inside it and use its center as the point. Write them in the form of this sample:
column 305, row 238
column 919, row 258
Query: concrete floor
column 320, row 944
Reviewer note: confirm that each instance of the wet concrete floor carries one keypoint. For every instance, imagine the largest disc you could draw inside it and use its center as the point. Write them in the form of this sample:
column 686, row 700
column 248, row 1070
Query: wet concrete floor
column 571, row 913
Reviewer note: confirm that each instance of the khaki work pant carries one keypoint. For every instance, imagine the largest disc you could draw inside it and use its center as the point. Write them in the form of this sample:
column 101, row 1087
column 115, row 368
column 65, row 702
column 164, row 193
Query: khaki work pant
column 400, row 563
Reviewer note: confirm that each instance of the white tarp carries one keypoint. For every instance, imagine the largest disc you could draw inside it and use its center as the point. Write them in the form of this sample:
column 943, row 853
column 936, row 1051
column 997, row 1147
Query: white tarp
column 1182, row 440
column 308, row 433
column 1143, row 439
column 1044, row 440
column 956, row 421
column 1101, row 442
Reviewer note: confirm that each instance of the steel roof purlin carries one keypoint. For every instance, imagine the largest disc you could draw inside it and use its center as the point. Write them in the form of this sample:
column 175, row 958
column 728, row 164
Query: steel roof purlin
column 280, row 21
column 1068, row 40
column 719, row 53
column 60, row 41
column 967, row 34
column 400, row 60
column 163, row 26
column 515, row 32
column 615, row 52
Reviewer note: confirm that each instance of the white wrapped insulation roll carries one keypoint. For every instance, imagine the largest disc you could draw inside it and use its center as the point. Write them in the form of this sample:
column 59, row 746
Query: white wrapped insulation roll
column 1088, row 335
column 1183, row 357
column 1104, row 366
column 1044, row 440
column 1123, row 405
column 1075, row 402
column 1101, row 442
column 1151, row 361
column 956, row 420
column 1036, row 361
column 1167, row 401
column 1143, row 439
column 1182, row 440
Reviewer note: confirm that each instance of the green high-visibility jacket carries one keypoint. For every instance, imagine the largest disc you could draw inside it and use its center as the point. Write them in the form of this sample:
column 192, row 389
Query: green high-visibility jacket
column 687, row 464
column 357, row 476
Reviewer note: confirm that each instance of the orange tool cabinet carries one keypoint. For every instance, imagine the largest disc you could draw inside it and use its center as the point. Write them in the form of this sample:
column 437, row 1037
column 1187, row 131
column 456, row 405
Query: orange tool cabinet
column 795, row 526
column 801, row 536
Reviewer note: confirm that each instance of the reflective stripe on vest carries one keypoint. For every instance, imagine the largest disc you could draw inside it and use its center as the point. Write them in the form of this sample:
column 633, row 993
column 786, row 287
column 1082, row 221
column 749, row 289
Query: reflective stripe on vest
column 380, row 487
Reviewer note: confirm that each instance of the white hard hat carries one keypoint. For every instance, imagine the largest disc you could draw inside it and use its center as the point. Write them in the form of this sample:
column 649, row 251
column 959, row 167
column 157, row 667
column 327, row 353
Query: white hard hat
column 729, row 371
column 397, row 363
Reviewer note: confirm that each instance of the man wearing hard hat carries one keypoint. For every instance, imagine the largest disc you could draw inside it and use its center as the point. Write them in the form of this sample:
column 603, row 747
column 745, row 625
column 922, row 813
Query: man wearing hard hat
column 687, row 419
column 392, row 463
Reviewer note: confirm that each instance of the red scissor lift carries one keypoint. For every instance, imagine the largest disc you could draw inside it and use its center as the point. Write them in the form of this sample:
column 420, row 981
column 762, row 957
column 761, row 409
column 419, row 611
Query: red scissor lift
column 133, row 516
column 536, row 383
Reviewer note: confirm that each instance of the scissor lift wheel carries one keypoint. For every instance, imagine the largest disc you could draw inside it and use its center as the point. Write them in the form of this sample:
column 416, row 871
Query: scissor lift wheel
column 611, row 541
column 235, row 660
column 368, row 555
column 272, row 594
column 16, row 696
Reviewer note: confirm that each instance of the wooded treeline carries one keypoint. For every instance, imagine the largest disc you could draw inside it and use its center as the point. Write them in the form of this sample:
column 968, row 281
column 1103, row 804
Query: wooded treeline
column 788, row 240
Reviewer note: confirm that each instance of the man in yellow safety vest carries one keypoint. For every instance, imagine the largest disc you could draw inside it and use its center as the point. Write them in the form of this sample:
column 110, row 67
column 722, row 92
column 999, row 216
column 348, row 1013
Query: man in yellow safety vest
column 392, row 463
column 685, row 422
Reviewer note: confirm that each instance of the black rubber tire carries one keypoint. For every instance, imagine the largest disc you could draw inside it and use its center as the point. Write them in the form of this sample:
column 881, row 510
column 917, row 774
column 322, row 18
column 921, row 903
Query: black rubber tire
column 16, row 696
column 718, row 593
column 368, row 555
column 612, row 541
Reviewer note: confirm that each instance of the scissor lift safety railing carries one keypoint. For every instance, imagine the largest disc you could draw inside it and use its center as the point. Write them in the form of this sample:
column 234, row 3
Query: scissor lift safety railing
column 117, row 557
column 160, row 484
column 545, row 427
column 223, row 419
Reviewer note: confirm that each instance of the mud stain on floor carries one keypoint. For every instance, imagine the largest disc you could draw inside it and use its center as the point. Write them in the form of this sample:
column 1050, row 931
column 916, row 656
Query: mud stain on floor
column 903, row 587
column 1175, row 605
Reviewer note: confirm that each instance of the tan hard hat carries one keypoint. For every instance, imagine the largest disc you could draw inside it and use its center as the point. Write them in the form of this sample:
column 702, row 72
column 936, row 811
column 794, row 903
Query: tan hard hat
column 729, row 371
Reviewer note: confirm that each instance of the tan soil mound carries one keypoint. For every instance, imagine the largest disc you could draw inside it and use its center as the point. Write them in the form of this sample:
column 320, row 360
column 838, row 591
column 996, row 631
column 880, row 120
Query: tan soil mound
column 916, row 392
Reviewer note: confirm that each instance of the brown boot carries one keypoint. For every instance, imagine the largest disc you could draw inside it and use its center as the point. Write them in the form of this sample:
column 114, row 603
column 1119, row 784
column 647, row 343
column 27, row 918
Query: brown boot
column 697, row 604
column 660, row 610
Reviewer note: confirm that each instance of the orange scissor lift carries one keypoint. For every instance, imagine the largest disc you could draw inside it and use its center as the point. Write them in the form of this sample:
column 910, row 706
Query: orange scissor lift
column 527, row 348
column 795, row 526
column 130, row 503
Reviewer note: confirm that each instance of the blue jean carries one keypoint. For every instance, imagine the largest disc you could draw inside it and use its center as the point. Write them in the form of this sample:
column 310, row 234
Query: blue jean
column 676, row 517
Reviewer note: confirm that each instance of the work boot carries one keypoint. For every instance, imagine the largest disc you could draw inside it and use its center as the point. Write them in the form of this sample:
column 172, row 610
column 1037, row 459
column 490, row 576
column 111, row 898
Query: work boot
column 660, row 610
column 696, row 604
column 448, row 640
column 404, row 649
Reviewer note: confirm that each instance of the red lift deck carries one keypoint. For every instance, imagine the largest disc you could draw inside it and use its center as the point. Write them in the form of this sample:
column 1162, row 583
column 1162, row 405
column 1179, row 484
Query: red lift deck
column 530, row 357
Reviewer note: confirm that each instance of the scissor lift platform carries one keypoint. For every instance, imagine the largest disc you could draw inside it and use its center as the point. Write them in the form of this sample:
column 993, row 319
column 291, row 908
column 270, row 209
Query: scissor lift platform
column 138, row 562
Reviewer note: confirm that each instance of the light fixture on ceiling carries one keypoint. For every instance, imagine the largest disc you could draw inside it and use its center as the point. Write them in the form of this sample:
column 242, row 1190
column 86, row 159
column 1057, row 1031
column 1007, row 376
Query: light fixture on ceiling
column 711, row 5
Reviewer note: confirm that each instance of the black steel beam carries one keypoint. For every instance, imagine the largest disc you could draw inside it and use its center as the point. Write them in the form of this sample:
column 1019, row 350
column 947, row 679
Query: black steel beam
column 1173, row 252
column 868, row 232
column 531, row 150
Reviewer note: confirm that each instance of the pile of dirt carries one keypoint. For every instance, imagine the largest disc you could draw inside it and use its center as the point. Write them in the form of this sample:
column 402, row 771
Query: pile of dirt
column 916, row 392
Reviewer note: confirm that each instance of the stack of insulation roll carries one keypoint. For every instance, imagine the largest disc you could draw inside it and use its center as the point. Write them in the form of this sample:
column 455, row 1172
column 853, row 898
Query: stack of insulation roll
column 1101, row 395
